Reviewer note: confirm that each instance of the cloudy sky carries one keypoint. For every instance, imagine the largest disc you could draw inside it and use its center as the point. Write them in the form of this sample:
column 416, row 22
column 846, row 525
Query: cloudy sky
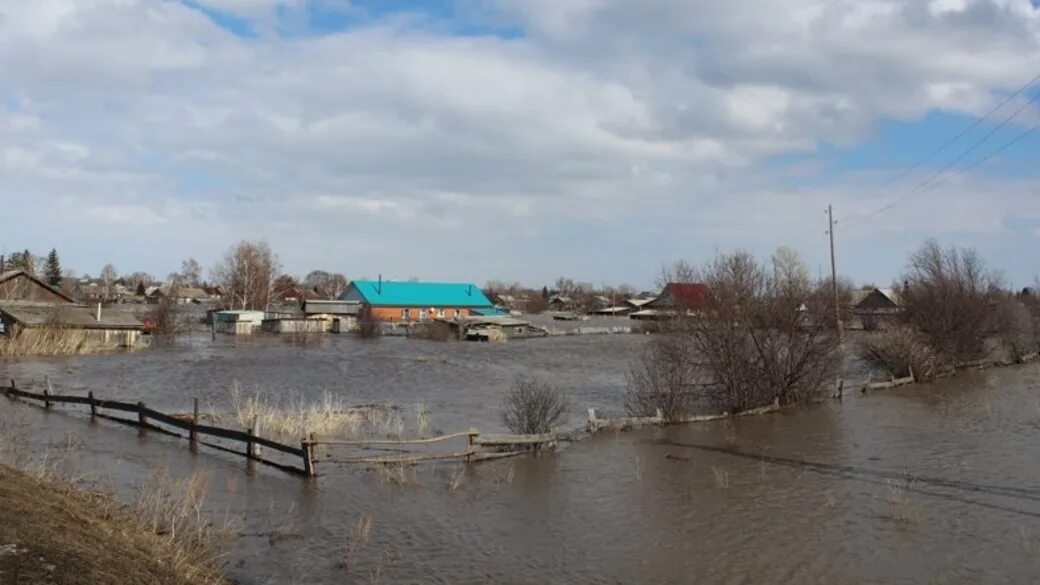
column 518, row 139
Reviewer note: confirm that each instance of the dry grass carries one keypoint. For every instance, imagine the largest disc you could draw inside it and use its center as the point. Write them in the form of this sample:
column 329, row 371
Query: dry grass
column 401, row 473
column 173, row 509
column 328, row 417
column 903, row 510
column 457, row 475
column 47, row 341
column 86, row 536
column 357, row 540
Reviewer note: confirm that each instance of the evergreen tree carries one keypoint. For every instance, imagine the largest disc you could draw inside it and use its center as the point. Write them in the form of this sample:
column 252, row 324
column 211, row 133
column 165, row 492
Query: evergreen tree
column 545, row 292
column 141, row 291
column 52, row 270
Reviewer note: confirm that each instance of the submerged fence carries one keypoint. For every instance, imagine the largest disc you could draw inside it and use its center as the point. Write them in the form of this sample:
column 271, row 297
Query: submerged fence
column 479, row 446
column 147, row 417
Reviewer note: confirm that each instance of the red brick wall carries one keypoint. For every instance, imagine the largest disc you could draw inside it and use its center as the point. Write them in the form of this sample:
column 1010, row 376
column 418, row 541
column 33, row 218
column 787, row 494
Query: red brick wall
column 394, row 313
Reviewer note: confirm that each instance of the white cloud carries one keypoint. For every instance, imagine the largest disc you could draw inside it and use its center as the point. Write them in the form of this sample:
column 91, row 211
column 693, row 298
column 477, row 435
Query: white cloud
column 617, row 122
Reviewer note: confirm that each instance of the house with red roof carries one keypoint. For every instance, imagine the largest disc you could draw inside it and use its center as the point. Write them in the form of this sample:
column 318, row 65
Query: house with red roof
column 677, row 297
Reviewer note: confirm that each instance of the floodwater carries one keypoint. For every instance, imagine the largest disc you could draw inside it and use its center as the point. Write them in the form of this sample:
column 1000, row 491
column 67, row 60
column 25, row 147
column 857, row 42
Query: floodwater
column 934, row 484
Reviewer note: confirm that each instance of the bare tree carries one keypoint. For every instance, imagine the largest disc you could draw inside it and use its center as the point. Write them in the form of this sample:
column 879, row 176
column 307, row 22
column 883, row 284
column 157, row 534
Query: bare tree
column 666, row 376
column 191, row 273
column 327, row 284
column 247, row 275
column 759, row 335
column 533, row 407
column 108, row 279
column 901, row 351
column 166, row 317
column 678, row 271
column 136, row 278
column 948, row 296
column 1015, row 327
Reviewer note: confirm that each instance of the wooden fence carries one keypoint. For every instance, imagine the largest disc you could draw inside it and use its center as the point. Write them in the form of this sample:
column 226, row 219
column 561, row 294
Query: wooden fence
column 147, row 417
column 479, row 446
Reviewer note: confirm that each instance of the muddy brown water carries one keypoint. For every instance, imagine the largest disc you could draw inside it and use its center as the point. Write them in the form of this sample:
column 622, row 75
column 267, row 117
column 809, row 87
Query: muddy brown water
column 921, row 485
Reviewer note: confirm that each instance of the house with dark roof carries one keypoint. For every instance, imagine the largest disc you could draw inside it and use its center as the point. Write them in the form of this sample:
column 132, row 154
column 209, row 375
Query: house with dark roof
column 676, row 298
column 874, row 308
column 28, row 306
column 415, row 301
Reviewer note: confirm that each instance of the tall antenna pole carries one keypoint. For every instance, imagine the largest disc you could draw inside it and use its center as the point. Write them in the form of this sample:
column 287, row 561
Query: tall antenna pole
column 834, row 272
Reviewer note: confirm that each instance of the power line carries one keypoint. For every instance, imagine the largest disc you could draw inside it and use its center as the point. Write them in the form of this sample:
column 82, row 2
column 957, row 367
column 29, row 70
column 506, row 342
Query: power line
column 975, row 124
column 1018, row 138
column 916, row 189
column 961, row 134
column 968, row 151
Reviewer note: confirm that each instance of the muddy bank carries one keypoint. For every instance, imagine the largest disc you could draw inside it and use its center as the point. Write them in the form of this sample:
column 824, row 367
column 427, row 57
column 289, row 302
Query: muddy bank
column 50, row 533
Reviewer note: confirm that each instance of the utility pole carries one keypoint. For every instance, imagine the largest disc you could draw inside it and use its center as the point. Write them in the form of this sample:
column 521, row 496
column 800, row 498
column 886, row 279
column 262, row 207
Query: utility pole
column 834, row 272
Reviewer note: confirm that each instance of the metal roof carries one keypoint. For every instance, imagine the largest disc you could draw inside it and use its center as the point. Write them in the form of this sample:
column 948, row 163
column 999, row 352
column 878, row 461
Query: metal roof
column 12, row 274
column 331, row 307
column 416, row 294
column 31, row 314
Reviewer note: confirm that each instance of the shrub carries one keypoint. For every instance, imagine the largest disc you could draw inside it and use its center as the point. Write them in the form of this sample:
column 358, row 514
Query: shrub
column 664, row 378
column 901, row 351
column 761, row 335
column 1015, row 328
column 948, row 296
column 369, row 328
column 533, row 407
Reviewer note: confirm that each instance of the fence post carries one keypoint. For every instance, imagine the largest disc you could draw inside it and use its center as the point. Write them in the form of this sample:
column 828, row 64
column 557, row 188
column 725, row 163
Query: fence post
column 141, row 418
column 193, row 436
column 251, row 432
column 13, row 387
column 308, row 460
column 93, row 405
column 473, row 434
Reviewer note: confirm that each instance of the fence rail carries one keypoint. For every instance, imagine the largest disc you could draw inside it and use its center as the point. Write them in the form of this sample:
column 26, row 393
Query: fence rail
column 479, row 446
column 146, row 417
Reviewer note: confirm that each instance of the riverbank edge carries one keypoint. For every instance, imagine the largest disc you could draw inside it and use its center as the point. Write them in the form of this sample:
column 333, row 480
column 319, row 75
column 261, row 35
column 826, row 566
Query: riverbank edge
column 51, row 532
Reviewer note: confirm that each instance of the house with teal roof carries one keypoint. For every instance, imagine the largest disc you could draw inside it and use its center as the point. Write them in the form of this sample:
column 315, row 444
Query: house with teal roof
column 389, row 300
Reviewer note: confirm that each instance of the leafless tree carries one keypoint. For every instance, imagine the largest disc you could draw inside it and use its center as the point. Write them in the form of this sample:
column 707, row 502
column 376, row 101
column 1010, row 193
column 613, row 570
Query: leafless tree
column 247, row 275
column 108, row 279
column 666, row 375
column 948, row 295
column 759, row 334
column 327, row 284
column 191, row 273
column 1014, row 324
column 901, row 351
column 369, row 327
column 167, row 318
column 135, row 278
column 533, row 407
column 678, row 271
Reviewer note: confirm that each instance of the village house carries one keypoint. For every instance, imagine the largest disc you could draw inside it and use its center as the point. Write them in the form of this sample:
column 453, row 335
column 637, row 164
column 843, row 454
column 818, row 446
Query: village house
column 28, row 306
column 340, row 316
column 874, row 308
column 676, row 298
column 417, row 301
column 241, row 322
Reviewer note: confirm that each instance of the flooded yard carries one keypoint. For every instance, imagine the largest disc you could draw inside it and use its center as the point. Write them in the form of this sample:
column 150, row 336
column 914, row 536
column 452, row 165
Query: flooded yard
column 920, row 485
